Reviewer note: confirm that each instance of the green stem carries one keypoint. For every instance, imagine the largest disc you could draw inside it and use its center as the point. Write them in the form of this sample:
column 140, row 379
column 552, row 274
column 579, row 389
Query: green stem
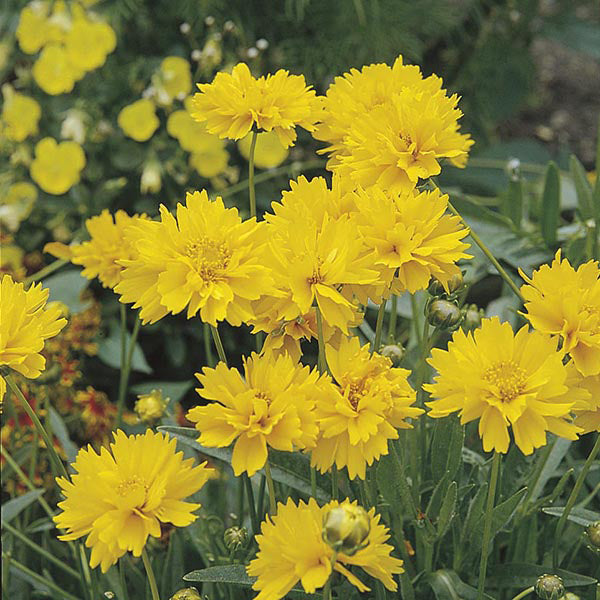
column 150, row 573
column 415, row 319
column 251, row 505
column 123, row 579
column 218, row 344
column 379, row 326
column 393, row 319
column 271, row 487
column 524, row 593
column 327, row 588
column 322, row 364
column 313, row 482
column 54, row 266
column 251, row 189
column 59, row 468
column 487, row 524
column 210, row 361
column 126, row 358
column 572, row 499
column 261, row 496
column 334, row 482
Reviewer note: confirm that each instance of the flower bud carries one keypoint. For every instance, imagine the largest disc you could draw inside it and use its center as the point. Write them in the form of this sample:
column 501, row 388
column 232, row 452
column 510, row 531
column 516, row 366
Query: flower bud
column 549, row 587
column 394, row 352
column 151, row 407
column 454, row 284
column 151, row 180
column 472, row 317
column 235, row 537
column 592, row 534
column 571, row 596
column 185, row 28
column 444, row 314
column 346, row 528
column 262, row 44
column 186, row 594
column 73, row 127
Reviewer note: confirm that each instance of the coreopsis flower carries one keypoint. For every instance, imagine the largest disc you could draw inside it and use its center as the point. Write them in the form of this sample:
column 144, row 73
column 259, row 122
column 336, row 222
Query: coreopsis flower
column 505, row 380
column 151, row 407
column 174, row 79
column 206, row 260
column 269, row 151
column 107, row 245
column 564, row 301
column 413, row 238
column 20, row 115
column 17, row 204
column 272, row 405
column 291, row 548
column 388, row 125
column 371, row 401
column 26, row 321
column 57, row 167
column 120, row 497
column 586, row 393
column 54, row 72
column 88, row 43
column 32, row 29
column 235, row 103
column 138, row 120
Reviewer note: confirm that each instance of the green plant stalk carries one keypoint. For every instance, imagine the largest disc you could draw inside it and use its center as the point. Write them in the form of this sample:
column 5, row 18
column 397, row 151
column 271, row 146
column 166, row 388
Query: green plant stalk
column 126, row 357
column 218, row 344
column 251, row 505
column 48, row 270
column 487, row 524
column 393, row 320
column 150, row 573
column 210, row 361
column 251, row 190
column 572, row 499
column 123, row 580
column 271, row 487
column 334, row 482
column 524, row 593
column 241, row 507
column 313, row 482
column 322, row 360
column 327, row 588
column 379, row 326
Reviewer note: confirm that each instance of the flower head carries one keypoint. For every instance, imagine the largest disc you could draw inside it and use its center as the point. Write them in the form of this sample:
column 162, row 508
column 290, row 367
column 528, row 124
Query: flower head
column 370, row 402
column 138, row 120
column 54, row 72
column 269, row 151
column 20, row 115
column 25, row 323
column 271, row 406
column 562, row 301
column 88, row 43
column 17, row 205
column 291, row 548
column 57, row 167
column 586, row 393
column 151, row 407
column 119, row 498
column 174, row 78
column 504, row 380
column 191, row 134
column 236, row 102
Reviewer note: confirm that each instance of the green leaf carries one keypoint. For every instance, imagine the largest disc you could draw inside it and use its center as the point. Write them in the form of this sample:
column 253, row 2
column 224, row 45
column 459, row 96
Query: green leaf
column 559, row 450
column 14, row 507
column 513, row 206
column 582, row 36
column 439, row 493
column 289, row 477
column 447, row 585
column 60, row 431
column 474, row 514
column 501, row 514
column 581, row 516
column 584, row 190
column 67, row 287
column 109, row 351
column 521, row 575
column 446, row 447
column 448, row 510
column 550, row 213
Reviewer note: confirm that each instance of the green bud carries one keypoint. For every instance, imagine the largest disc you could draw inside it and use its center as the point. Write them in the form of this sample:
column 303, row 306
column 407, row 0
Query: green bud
column 472, row 317
column 235, row 537
column 394, row 352
column 592, row 534
column 571, row 596
column 444, row 314
column 186, row 594
column 454, row 284
column 549, row 587
column 346, row 528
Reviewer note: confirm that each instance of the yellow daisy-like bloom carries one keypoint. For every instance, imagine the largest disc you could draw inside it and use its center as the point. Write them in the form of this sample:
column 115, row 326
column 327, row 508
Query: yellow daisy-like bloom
column 371, row 401
column 291, row 549
column 272, row 405
column 20, row 115
column 269, row 151
column 412, row 236
column 56, row 168
column 119, row 498
column 504, row 380
column 25, row 323
column 586, row 392
column 192, row 135
column 563, row 301
column 175, row 78
column 108, row 244
column 88, row 43
column 54, row 72
column 206, row 260
column 236, row 102
column 138, row 120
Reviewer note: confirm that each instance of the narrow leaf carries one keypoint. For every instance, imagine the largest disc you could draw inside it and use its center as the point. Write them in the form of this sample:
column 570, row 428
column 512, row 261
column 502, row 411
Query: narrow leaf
column 583, row 188
column 514, row 202
column 559, row 450
column 13, row 507
column 60, row 431
column 447, row 585
column 550, row 204
column 580, row 516
column 501, row 514
column 521, row 575
column 446, row 447
column 448, row 510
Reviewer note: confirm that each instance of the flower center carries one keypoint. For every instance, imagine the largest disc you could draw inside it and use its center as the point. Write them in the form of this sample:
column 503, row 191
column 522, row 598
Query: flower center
column 316, row 277
column 210, row 257
column 508, row 377
column 131, row 485
column 355, row 393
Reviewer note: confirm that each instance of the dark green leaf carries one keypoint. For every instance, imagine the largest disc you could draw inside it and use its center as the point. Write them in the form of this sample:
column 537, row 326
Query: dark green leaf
column 501, row 514
column 439, row 493
column 448, row 509
column 60, row 431
column 584, row 190
column 446, row 447
column 174, row 390
column 514, row 202
column 109, row 351
column 559, row 449
column 522, row 575
column 447, row 585
column 14, row 507
column 581, row 516
column 67, row 287
column 549, row 217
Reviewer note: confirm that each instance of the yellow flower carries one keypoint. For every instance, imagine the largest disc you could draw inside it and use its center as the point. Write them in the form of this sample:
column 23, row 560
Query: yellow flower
column 394, row 131
column 57, row 167
column 88, row 43
column 32, row 29
column 211, row 162
column 108, row 244
column 138, row 120
column 206, row 260
column 291, row 549
column 119, row 498
column 175, row 78
column 25, row 323
column 412, row 236
column 151, row 407
column 563, row 301
column 371, row 401
column 586, row 393
column 54, row 72
column 20, row 115
column 192, row 135
column 269, row 151
column 235, row 103
column 271, row 406
column 504, row 380
column 18, row 204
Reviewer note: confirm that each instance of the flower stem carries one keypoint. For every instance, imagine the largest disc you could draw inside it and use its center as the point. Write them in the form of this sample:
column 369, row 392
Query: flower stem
column 487, row 524
column 524, row 593
column 150, row 573
column 393, row 319
column 313, row 482
column 334, row 482
column 379, row 326
column 572, row 499
column 251, row 505
column 126, row 357
column 218, row 344
column 271, row 486
column 322, row 364
column 327, row 588
column 251, row 190
column 207, row 347
column 48, row 270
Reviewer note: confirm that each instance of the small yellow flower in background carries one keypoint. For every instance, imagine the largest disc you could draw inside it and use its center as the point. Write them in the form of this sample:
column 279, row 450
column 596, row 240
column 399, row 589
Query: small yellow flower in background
column 32, row 29
column 236, row 102
column 18, row 203
column 291, row 548
column 205, row 260
column 211, row 162
column 269, row 151
column 138, row 120
column 371, row 401
column 191, row 135
column 119, row 498
column 272, row 405
column 57, row 167
column 26, row 321
column 54, row 72
column 413, row 238
column 108, row 244
column 504, row 380
column 586, row 393
column 174, row 79
column 88, row 43
column 20, row 115
column 562, row 301
column 151, row 407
